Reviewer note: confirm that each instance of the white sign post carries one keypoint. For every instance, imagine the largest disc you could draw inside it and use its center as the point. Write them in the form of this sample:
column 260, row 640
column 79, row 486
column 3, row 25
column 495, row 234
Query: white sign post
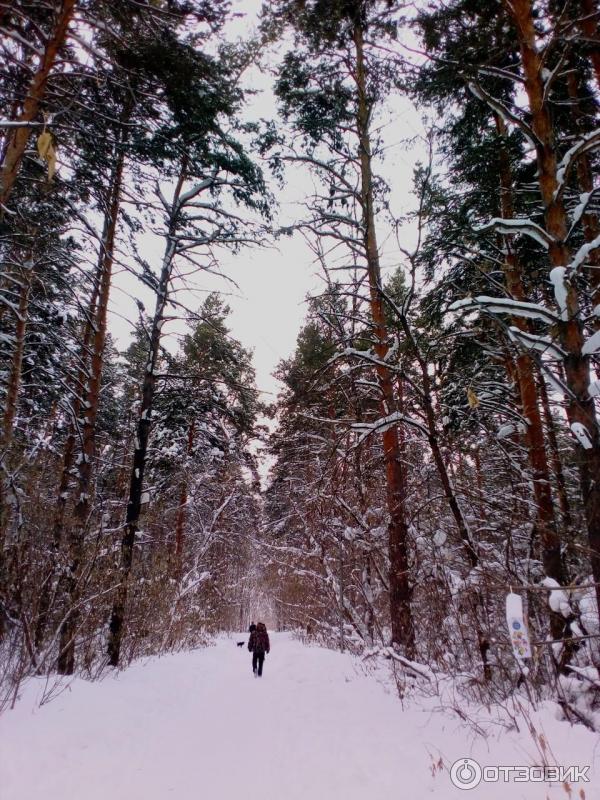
column 517, row 629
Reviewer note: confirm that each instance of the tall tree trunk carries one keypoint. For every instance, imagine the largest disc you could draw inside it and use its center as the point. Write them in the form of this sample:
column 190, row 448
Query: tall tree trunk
column 530, row 402
column 10, row 412
column 90, row 405
column 400, row 589
column 23, row 281
column 136, row 484
column 17, row 143
column 68, row 457
column 580, row 406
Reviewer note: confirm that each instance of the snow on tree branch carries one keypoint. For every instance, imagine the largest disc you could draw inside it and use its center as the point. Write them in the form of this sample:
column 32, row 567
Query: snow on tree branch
column 507, row 115
column 515, row 227
column 531, row 341
column 365, row 429
column 502, row 305
column 589, row 141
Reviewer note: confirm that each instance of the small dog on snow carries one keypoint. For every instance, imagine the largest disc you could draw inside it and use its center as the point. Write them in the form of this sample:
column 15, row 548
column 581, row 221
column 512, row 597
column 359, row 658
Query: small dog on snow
column 241, row 644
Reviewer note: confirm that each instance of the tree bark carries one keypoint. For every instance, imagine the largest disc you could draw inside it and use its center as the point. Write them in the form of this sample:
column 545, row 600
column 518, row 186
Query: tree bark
column 68, row 457
column 134, row 506
column 580, row 406
column 19, row 138
column 10, row 410
column 530, row 402
column 90, row 405
column 400, row 589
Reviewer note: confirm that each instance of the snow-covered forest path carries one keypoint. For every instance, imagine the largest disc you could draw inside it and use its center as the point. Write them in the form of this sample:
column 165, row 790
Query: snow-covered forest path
column 198, row 725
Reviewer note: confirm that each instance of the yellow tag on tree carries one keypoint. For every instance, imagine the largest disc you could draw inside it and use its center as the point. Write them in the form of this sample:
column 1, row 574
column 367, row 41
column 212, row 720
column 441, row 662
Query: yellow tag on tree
column 45, row 148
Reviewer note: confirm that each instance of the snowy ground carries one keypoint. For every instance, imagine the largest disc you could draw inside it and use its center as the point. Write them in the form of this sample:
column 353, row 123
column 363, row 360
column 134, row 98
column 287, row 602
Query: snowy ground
column 198, row 725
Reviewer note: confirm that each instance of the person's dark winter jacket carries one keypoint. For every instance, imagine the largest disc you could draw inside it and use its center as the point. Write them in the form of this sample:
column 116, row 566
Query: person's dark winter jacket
column 259, row 640
column 259, row 644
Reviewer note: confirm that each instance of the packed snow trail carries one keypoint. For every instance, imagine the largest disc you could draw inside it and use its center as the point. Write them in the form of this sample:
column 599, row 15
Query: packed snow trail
column 198, row 726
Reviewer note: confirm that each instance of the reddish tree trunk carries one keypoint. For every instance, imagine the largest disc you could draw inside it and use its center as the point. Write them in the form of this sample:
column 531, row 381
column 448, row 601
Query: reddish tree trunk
column 17, row 143
column 90, row 404
column 12, row 393
column 530, row 402
column 400, row 590
column 580, row 406
column 62, row 494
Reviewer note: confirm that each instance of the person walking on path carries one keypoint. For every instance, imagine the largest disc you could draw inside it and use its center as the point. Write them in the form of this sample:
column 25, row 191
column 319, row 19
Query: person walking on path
column 251, row 629
column 259, row 645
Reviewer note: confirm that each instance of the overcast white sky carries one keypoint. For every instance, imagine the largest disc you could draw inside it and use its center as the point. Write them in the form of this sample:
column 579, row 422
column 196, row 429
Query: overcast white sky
column 269, row 307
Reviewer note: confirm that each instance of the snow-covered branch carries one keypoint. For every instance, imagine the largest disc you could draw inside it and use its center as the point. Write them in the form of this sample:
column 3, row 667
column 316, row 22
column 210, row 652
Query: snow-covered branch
column 379, row 426
column 503, row 305
column 517, row 227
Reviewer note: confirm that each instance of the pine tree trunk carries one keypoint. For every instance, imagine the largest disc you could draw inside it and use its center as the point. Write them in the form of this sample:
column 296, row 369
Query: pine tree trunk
column 530, row 402
column 10, row 412
column 58, row 522
column 14, row 383
column 17, row 143
column 580, row 406
column 89, row 405
column 400, row 590
column 134, row 505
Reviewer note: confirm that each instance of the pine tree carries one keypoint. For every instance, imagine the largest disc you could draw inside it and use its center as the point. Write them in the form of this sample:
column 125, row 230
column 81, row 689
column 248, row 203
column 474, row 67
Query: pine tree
column 212, row 165
column 330, row 88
